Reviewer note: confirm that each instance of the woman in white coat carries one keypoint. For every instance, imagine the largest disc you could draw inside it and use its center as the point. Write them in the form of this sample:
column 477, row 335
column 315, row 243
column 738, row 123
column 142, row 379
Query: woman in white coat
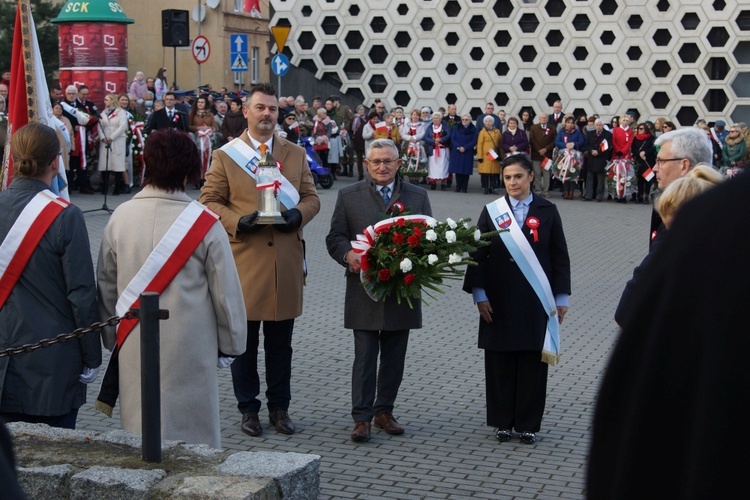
column 113, row 127
column 207, row 325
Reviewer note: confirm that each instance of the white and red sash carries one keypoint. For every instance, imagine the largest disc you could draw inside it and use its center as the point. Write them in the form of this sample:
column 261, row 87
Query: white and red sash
column 165, row 262
column 23, row 238
column 204, row 138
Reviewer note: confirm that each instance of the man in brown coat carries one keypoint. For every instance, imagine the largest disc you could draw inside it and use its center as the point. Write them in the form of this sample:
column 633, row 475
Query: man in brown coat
column 269, row 258
column 542, row 142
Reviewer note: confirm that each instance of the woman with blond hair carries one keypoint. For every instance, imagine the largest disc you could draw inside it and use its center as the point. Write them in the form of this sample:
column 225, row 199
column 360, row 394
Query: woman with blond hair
column 113, row 133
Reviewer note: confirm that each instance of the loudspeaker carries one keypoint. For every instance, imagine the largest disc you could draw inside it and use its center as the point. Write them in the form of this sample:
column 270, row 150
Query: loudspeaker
column 175, row 31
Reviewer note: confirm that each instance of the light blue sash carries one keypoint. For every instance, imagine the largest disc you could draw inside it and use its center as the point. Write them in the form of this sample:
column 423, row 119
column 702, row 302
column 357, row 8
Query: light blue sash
column 519, row 248
column 247, row 159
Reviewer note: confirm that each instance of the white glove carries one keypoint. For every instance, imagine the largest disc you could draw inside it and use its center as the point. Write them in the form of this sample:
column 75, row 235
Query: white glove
column 88, row 375
column 224, row 361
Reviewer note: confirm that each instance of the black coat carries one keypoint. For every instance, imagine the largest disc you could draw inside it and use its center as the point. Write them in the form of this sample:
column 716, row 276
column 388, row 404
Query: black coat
column 519, row 320
column 672, row 408
column 597, row 164
column 160, row 120
column 646, row 145
column 358, row 206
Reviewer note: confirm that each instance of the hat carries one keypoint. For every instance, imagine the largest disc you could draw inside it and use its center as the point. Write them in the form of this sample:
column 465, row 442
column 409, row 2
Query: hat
column 721, row 123
column 217, row 95
column 427, row 109
column 289, row 114
column 232, row 95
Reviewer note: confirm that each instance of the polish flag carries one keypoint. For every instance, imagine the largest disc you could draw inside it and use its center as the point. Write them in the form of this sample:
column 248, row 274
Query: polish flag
column 492, row 155
column 252, row 7
column 648, row 174
column 604, row 146
column 380, row 126
column 546, row 163
column 28, row 98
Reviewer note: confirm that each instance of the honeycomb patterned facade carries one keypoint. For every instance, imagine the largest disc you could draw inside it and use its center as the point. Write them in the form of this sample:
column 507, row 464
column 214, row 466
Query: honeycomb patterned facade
column 682, row 59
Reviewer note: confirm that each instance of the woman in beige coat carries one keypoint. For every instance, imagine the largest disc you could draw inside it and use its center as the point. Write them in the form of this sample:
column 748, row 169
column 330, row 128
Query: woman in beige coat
column 207, row 325
column 113, row 128
column 489, row 139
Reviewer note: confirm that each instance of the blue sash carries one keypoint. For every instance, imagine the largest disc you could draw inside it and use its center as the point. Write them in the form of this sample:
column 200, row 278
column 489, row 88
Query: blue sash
column 519, row 248
column 247, row 159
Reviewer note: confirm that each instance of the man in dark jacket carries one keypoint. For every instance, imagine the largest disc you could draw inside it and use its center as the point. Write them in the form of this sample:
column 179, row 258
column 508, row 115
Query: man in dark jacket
column 598, row 148
column 383, row 325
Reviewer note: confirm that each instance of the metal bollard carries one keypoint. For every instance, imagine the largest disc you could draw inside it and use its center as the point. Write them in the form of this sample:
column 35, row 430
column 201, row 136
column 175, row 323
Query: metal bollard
column 150, row 377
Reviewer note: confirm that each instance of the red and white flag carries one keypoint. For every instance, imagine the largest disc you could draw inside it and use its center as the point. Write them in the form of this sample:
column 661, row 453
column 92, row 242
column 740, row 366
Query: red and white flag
column 252, row 7
column 28, row 98
column 648, row 174
column 546, row 163
column 492, row 155
column 604, row 145
column 380, row 126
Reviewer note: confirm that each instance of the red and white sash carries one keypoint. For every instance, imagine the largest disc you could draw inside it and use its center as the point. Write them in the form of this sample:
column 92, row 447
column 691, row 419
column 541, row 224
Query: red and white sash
column 23, row 238
column 165, row 262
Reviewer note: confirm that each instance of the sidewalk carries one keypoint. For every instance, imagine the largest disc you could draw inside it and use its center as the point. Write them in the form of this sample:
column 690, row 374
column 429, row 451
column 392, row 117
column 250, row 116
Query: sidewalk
column 447, row 450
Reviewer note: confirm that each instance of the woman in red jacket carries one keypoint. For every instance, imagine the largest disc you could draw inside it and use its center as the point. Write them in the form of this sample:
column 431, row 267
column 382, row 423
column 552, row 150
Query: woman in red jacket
column 622, row 141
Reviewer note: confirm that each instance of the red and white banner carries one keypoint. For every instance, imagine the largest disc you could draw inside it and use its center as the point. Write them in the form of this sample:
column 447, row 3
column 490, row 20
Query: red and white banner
column 604, row 145
column 24, row 236
column 546, row 163
column 648, row 174
column 28, row 97
column 492, row 155
column 380, row 126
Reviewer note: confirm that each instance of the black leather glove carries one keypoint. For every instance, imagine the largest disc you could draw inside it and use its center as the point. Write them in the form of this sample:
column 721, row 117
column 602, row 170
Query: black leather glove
column 292, row 221
column 249, row 223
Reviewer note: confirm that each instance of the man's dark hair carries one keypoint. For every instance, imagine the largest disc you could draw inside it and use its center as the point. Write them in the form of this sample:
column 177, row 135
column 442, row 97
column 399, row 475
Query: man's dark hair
column 264, row 88
column 170, row 93
column 237, row 101
column 82, row 87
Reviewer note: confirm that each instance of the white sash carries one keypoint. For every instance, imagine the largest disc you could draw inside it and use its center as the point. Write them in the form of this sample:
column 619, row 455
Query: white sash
column 519, row 248
column 247, row 158
column 160, row 255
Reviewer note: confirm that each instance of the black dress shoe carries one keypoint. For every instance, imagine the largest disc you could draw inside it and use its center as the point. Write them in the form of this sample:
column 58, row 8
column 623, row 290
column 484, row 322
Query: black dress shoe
column 251, row 424
column 503, row 435
column 280, row 419
column 528, row 438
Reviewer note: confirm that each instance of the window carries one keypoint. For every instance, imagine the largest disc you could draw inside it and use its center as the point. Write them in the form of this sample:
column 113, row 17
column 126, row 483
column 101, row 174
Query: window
column 254, row 71
column 238, row 5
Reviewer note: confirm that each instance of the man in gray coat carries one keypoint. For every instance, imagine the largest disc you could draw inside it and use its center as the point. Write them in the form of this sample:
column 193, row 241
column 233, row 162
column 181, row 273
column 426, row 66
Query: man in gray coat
column 381, row 326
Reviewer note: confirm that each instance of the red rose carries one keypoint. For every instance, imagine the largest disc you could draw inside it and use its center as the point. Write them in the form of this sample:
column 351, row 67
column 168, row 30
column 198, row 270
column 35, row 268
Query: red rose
column 413, row 240
column 409, row 279
column 417, row 232
column 401, row 222
column 398, row 238
column 364, row 264
column 384, row 275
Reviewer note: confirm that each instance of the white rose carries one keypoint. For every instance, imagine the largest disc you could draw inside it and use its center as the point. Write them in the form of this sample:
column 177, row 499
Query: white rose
column 405, row 266
column 431, row 222
column 432, row 259
column 477, row 235
column 466, row 225
column 451, row 223
column 454, row 258
column 450, row 236
column 430, row 235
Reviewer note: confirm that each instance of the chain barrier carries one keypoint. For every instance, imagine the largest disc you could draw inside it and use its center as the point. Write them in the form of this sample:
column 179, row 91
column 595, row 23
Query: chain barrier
column 64, row 337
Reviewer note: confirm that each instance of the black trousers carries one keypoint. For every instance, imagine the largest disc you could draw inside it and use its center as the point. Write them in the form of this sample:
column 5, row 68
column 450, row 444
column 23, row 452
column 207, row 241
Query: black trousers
column 366, row 376
column 516, row 384
column 277, row 344
column 67, row 421
column 595, row 179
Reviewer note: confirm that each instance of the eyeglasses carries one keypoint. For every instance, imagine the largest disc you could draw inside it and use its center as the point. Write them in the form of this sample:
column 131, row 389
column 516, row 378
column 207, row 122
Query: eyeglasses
column 377, row 163
column 659, row 161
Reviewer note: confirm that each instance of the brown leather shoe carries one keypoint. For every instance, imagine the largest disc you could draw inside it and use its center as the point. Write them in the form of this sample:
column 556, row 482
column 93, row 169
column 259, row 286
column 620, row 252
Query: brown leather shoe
column 386, row 422
column 361, row 432
column 251, row 424
column 280, row 419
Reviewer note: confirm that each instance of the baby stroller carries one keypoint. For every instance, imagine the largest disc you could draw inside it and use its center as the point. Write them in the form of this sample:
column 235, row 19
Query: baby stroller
column 321, row 175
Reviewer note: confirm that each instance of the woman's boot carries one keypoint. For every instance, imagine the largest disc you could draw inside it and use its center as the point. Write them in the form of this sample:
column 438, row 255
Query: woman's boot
column 118, row 183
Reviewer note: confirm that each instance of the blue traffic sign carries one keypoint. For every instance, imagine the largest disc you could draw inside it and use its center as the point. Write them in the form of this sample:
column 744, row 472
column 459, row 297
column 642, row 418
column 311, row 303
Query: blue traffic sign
column 280, row 64
column 238, row 52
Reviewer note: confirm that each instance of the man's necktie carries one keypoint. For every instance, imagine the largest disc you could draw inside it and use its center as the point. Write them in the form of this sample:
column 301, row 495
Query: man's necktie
column 385, row 193
column 263, row 148
column 170, row 115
